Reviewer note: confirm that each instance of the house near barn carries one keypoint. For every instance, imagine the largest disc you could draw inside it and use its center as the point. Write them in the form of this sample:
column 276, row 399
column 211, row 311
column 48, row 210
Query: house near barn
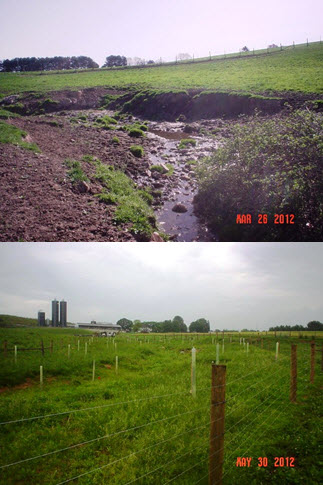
column 103, row 329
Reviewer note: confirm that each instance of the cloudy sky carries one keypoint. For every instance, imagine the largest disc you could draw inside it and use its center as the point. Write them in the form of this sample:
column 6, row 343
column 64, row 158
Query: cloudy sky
column 234, row 285
column 152, row 28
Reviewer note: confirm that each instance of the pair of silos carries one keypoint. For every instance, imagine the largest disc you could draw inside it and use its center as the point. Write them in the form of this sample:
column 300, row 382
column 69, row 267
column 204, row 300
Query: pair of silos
column 59, row 313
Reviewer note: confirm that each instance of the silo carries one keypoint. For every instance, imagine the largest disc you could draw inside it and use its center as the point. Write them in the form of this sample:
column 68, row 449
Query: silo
column 63, row 313
column 41, row 318
column 54, row 313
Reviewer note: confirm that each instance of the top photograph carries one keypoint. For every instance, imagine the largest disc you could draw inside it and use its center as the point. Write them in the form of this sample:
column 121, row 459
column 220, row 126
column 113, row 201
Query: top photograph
column 167, row 121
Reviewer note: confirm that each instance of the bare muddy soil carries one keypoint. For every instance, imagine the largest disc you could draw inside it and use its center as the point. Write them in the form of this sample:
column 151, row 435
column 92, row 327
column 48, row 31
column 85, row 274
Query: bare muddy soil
column 39, row 202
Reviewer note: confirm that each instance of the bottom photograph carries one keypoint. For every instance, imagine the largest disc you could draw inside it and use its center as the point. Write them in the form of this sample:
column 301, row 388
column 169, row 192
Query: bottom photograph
column 187, row 363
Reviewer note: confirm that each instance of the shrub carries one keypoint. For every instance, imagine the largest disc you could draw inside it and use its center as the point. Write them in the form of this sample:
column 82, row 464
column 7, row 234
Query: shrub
column 267, row 167
column 137, row 150
column 185, row 142
column 115, row 140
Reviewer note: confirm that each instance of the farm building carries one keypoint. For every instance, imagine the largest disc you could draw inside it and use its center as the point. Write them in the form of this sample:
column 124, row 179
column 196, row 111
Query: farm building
column 102, row 328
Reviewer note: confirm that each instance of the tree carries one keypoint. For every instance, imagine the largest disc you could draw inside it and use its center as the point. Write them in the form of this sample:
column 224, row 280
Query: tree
column 178, row 324
column 201, row 325
column 125, row 324
column 245, row 49
column 315, row 325
column 115, row 61
column 137, row 325
column 183, row 57
column 151, row 62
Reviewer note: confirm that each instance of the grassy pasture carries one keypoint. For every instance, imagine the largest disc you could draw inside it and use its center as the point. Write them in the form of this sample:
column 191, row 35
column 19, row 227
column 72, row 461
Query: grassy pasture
column 142, row 425
column 298, row 69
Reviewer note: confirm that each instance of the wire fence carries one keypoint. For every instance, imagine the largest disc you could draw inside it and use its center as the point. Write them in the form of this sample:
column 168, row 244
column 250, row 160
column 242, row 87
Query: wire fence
column 261, row 406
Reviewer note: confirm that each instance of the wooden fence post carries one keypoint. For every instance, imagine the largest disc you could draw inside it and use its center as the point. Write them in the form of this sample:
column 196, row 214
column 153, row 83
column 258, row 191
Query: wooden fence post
column 217, row 424
column 193, row 372
column 42, row 347
column 312, row 362
column 293, row 373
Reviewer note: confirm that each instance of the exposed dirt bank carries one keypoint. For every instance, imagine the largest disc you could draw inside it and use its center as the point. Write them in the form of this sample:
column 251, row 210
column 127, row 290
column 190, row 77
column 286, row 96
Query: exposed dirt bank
column 156, row 105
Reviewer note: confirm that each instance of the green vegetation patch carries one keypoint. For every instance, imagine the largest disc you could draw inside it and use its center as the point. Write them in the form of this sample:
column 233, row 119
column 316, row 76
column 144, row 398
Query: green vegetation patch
column 271, row 167
column 14, row 136
column 132, row 204
column 187, row 142
column 5, row 114
column 115, row 140
column 75, row 173
column 137, row 150
column 298, row 69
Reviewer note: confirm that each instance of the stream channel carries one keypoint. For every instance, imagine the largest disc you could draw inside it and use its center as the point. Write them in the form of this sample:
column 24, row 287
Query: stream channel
column 181, row 189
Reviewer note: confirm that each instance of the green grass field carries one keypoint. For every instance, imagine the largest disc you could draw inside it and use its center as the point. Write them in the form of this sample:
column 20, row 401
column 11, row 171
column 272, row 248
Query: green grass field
column 298, row 69
column 142, row 425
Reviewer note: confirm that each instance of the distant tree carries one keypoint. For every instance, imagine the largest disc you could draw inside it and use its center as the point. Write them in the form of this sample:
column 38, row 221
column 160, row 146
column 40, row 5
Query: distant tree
column 179, row 325
column 137, row 325
column 201, row 325
column 21, row 64
column 125, row 324
column 272, row 46
column 138, row 61
column 1, row 66
column 151, row 62
column 183, row 57
column 115, row 61
column 315, row 325
column 245, row 49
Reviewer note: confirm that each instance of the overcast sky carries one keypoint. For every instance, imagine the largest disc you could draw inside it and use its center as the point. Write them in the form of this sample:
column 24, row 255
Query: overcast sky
column 234, row 285
column 152, row 28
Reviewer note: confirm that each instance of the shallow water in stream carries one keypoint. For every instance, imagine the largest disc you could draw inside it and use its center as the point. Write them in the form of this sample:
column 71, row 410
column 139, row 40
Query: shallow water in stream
column 184, row 226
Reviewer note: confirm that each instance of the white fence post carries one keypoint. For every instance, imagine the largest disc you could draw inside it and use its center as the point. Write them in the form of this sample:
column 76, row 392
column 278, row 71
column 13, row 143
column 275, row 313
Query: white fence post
column 41, row 377
column 193, row 372
column 117, row 364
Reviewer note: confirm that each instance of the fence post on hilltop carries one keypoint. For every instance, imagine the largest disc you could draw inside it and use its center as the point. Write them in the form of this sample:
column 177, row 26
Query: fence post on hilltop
column 78, row 345
column 193, row 372
column 15, row 354
column 293, row 373
column 85, row 350
column 5, row 348
column 217, row 424
column 312, row 362
column 69, row 351
column 42, row 347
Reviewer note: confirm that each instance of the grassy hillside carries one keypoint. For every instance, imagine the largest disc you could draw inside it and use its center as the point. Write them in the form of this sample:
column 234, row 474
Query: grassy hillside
column 299, row 69
column 12, row 320
column 142, row 424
